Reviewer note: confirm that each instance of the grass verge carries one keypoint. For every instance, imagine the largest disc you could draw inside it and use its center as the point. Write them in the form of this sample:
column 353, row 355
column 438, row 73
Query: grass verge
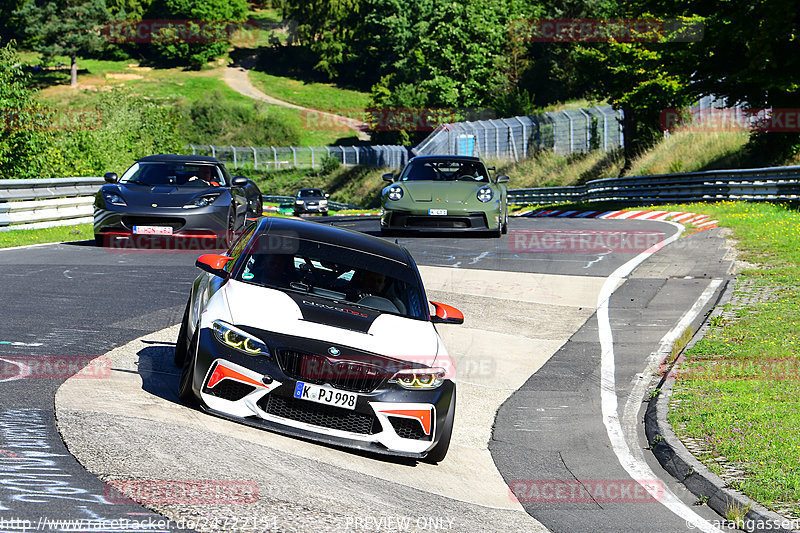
column 24, row 237
column 738, row 393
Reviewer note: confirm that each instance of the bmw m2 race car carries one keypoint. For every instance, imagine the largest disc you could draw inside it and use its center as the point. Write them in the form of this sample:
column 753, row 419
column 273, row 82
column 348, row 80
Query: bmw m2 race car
column 320, row 332
column 166, row 196
column 444, row 193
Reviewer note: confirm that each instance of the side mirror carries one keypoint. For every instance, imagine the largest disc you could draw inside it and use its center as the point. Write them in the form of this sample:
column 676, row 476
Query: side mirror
column 502, row 179
column 239, row 181
column 327, row 195
column 388, row 177
column 491, row 168
column 214, row 264
column 446, row 314
column 110, row 177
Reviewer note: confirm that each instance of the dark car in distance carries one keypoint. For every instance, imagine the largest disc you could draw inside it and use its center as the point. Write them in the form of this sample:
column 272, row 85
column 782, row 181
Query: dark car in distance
column 175, row 196
column 310, row 201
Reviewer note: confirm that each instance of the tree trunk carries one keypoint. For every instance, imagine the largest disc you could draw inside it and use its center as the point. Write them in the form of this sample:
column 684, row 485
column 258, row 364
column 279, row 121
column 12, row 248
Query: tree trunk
column 630, row 135
column 73, row 72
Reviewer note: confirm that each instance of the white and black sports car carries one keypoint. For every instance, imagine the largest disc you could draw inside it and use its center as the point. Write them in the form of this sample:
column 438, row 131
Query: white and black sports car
column 167, row 196
column 320, row 332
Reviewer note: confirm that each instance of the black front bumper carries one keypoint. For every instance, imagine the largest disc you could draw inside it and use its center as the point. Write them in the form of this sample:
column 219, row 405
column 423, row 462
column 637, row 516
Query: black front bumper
column 364, row 428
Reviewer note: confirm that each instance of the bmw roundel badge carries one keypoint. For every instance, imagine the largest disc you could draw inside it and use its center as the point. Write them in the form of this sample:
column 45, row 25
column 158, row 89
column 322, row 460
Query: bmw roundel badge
column 334, row 351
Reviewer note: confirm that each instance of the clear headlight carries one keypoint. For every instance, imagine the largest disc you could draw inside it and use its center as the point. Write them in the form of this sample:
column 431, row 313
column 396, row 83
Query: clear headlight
column 485, row 194
column 419, row 378
column 114, row 198
column 299, row 202
column 237, row 339
column 323, row 202
column 395, row 192
column 201, row 201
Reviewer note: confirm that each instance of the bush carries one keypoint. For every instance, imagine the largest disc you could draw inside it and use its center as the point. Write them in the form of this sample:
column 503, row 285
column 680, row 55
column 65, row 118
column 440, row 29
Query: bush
column 329, row 164
column 219, row 121
column 173, row 50
column 128, row 127
column 26, row 143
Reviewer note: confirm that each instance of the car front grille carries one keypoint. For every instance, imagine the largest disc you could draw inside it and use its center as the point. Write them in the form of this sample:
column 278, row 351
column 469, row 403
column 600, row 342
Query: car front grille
column 408, row 428
column 467, row 221
column 437, row 222
column 231, row 390
column 320, row 415
column 129, row 221
column 353, row 376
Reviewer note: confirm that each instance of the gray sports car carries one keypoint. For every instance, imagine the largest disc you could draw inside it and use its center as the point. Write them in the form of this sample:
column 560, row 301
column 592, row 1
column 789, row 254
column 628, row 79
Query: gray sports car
column 173, row 196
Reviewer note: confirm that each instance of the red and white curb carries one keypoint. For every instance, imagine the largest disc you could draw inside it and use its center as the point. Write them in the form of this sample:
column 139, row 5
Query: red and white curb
column 684, row 217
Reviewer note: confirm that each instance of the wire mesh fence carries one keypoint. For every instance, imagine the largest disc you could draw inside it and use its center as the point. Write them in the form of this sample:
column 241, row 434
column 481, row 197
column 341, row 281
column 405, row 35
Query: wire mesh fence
column 564, row 132
column 312, row 157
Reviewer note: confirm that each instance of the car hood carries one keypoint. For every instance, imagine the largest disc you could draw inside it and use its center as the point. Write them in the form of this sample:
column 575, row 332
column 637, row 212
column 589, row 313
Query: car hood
column 325, row 320
column 443, row 191
column 163, row 195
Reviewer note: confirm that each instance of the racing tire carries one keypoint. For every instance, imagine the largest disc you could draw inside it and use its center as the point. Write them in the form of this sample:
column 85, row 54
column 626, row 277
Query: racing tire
column 99, row 240
column 230, row 234
column 182, row 343
column 438, row 453
column 185, row 392
column 504, row 228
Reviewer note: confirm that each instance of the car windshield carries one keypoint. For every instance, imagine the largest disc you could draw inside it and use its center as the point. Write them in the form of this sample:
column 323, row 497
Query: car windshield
column 444, row 170
column 337, row 273
column 177, row 174
column 310, row 193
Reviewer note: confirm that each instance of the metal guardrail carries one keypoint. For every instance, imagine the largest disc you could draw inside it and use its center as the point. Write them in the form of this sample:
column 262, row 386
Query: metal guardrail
column 770, row 184
column 44, row 203
column 39, row 203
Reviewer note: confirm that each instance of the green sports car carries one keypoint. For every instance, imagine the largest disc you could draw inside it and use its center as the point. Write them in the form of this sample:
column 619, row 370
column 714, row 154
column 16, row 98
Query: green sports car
column 444, row 193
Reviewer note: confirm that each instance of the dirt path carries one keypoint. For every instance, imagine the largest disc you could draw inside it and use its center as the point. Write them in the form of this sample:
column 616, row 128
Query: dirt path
column 237, row 77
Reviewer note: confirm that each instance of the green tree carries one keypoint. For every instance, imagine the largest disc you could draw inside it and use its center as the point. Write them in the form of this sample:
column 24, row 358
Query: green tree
column 643, row 79
column 218, row 17
column 26, row 144
column 750, row 53
column 328, row 28
column 65, row 27
column 447, row 55
column 9, row 25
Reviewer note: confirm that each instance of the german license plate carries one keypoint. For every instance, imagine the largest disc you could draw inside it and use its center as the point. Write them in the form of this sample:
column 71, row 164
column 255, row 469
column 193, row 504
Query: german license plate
column 325, row 395
column 437, row 211
column 152, row 230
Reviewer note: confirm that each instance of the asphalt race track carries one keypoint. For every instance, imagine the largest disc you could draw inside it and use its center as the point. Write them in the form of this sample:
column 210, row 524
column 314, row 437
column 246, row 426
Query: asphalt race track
column 543, row 354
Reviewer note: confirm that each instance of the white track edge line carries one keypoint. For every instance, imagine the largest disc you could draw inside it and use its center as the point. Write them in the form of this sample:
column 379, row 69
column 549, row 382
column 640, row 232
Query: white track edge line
column 638, row 470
